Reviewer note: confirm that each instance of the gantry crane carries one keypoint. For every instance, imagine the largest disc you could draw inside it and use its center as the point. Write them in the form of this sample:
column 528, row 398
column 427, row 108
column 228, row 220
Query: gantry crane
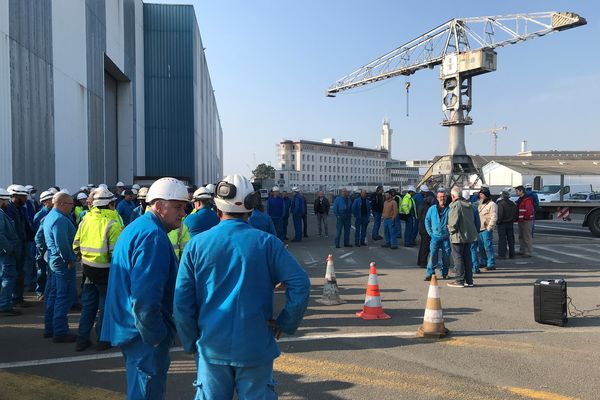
column 494, row 132
column 463, row 48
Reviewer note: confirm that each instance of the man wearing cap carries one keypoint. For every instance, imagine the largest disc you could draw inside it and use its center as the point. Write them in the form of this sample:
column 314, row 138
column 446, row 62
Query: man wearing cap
column 139, row 300
column 9, row 242
column 93, row 244
column 488, row 215
column 126, row 206
column 342, row 209
column 224, row 299
column 59, row 233
column 276, row 211
column 202, row 218
column 297, row 209
column 18, row 214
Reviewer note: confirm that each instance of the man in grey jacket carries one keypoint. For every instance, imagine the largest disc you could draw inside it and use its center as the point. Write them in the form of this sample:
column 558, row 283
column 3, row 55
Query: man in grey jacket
column 461, row 226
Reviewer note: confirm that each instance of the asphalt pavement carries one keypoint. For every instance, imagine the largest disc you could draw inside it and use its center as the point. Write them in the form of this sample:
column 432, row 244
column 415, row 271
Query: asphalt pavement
column 495, row 349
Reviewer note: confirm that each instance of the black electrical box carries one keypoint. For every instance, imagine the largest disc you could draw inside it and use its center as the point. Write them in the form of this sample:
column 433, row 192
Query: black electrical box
column 550, row 301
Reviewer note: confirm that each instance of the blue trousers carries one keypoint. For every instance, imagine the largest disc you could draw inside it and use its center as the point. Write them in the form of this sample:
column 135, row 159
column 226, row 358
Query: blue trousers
column 408, row 230
column 486, row 249
column 398, row 225
column 285, row 223
column 297, row 227
column 342, row 222
column 435, row 246
column 389, row 232
column 8, row 279
column 42, row 276
column 376, row 225
column 278, row 223
column 361, row 225
column 218, row 382
column 147, row 368
column 59, row 301
column 474, row 248
column 30, row 269
column 92, row 302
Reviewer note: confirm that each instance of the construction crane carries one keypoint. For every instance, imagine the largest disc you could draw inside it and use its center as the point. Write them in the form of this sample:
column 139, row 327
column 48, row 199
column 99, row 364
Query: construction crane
column 463, row 48
column 494, row 132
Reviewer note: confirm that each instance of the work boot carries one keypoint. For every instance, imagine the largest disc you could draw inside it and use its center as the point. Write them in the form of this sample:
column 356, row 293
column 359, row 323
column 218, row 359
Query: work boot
column 101, row 346
column 48, row 335
column 10, row 312
column 81, row 346
column 22, row 304
column 68, row 338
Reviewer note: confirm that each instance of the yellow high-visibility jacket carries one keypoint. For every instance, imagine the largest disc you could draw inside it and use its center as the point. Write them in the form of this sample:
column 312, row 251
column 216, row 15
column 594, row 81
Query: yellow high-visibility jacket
column 96, row 237
column 179, row 238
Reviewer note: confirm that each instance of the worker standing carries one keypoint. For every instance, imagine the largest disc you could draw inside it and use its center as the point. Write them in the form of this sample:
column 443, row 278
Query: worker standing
column 377, row 209
column 436, row 224
column 203, row 217
column 321, row 208
column 389, row 214
column 488, row 215
column 287, row 204
column 461, row 227
column 224, row 299
column 342, row 209
column 275, row 210
column 297, row 209
column 80, row 206
column 507, row 215
column 259, row 220
column 41, row 263
column 59, row 232
column 126, row 206
column 141, row 208
column 139, row 300
column 9, row 242
column 408, row 213
column 526, row 209
column 361, row 209
column 93, row 244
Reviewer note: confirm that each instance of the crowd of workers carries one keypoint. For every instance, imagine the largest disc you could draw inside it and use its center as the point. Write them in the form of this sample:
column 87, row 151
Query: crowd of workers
column 172, row 260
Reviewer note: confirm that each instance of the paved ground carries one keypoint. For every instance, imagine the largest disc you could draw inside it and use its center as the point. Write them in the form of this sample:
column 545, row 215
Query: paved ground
column 495, row 351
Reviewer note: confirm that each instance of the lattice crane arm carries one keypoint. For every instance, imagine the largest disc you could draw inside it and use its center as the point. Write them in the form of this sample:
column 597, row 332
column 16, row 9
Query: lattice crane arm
column 457, row 36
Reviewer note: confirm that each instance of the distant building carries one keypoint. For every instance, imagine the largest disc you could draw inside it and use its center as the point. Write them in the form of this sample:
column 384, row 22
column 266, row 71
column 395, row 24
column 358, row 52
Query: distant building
column 400, row 174
column 103, row 91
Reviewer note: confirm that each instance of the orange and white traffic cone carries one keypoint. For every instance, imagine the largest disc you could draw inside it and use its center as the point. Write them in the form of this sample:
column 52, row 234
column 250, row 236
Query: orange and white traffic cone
column 372, row 308
column 433, row 320
column 331, row 294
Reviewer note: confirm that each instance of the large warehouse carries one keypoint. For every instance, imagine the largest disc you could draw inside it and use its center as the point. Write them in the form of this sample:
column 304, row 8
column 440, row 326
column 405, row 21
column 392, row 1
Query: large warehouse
column 100, row 91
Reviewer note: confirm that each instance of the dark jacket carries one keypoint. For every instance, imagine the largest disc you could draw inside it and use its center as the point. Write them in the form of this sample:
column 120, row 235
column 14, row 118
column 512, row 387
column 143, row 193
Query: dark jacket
column 507, row 211
column 321, row 207
column 377, row 202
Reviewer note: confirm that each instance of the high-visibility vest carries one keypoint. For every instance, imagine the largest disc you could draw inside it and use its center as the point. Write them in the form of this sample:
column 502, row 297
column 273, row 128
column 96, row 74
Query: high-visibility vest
column 179, row 238
column 96, row 238
column 78, row 211
column 408, row 205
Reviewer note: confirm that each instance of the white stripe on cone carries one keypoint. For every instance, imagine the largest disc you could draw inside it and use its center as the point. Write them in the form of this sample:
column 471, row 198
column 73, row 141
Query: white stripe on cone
column 434, row 292
column 330, row 272
column 433, row 316
column 373, row 280
column 373, row 301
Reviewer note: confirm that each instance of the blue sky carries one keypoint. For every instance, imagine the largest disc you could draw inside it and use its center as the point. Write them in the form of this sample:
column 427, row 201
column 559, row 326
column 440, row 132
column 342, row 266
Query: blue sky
column 271, row 61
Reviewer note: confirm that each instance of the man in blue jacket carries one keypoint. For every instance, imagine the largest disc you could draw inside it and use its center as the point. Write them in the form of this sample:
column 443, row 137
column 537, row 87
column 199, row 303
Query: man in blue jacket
column 342, row 209
column 259, row 220
column 9, row 241
column 42, row 265
column 126, row 206
column 436, row 224
column 59, row 232
column 138, row 314
column 275, row 208
column 361, row 209
column 297, row 209
column 203, row 217
column 223, row 303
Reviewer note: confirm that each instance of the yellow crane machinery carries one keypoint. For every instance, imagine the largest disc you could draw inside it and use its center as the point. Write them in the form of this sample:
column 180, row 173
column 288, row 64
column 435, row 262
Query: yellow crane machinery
column 463, row 48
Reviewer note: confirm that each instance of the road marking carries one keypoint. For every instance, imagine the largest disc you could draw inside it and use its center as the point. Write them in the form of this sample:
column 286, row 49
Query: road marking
column 554, row 260
column 481, row 343
column 536, row 394
column 584, row 247
column 587, row 258
column 346, row 254
column 561, row 229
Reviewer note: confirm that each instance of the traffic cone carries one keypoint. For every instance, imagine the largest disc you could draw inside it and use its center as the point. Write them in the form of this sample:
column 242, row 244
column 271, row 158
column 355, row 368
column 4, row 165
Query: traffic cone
column 331, row 295
column 372, row 308
column 433, row 320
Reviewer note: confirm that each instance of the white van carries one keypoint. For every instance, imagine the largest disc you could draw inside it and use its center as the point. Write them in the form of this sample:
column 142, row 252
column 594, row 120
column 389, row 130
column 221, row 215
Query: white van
column 552, row 192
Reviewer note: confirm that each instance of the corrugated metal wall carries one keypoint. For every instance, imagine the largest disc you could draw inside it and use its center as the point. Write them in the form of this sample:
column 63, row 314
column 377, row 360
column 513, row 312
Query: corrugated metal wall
column 95, row 18
column 169, row 103
column 5, row 100
column 31, row 82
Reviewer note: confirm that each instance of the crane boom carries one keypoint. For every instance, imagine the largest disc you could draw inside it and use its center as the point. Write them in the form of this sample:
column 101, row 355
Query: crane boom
column 458, row 35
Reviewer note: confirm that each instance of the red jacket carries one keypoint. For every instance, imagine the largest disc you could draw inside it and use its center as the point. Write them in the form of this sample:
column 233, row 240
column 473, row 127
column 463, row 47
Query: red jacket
column 526, row 209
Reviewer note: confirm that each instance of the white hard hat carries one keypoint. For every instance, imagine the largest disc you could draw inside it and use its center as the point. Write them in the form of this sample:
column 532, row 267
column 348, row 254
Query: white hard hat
column 142, row 193
column 30, row 189
column 295, row 189
column 18, row 190
column 135, row 186
column 103, row 186
column 134, row 191
column 411, row 188
column 120, row 184
column 275, row 189
column 466, row 194
column 202, row 193
column 53, row 190
column 4, row 195
column 81, row 196
column 46, row 195
column 102, row 197
column 211, row 188
column 83, row 188
column 90, row 185
column 235, row 194
column 424, row 188
column 167, row 189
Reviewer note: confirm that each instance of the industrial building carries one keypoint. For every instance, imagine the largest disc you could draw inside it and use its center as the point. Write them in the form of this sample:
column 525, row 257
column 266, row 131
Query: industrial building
column 104, row 91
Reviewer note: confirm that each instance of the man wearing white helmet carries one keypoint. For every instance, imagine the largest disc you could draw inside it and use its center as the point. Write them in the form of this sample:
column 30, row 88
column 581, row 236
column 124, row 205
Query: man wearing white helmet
column 142, row 205
column 59, row 232
column 139, row 301
column 17, row 212
column 275, row 209
column 93, row 244
column 224, row 299
column 408, row 213
column 202, row 218
column 80, row 206
column 9, row 241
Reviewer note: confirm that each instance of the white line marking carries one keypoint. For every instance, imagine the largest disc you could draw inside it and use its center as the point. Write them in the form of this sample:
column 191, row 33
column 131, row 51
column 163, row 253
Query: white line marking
column 584, row 247
column 553, row 260
column 560, row 229
column 587, row 258
column 347, row 254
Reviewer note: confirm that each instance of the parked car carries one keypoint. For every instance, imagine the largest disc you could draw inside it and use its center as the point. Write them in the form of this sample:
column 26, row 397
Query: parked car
column 585, row 197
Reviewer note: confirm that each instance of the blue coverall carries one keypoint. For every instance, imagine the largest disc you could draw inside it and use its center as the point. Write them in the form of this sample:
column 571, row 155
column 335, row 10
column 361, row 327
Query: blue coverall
column 275, row 210
column 125, row 208
column 9, row 242
column 59, row 233
column 287, row 204
column 223, row 301
column 200, row 221
column 437, row 228
column 297, row 210
column 260, row 220
column 361, row 222
column 41, row 264
column 342, row 209
column 138, row 313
